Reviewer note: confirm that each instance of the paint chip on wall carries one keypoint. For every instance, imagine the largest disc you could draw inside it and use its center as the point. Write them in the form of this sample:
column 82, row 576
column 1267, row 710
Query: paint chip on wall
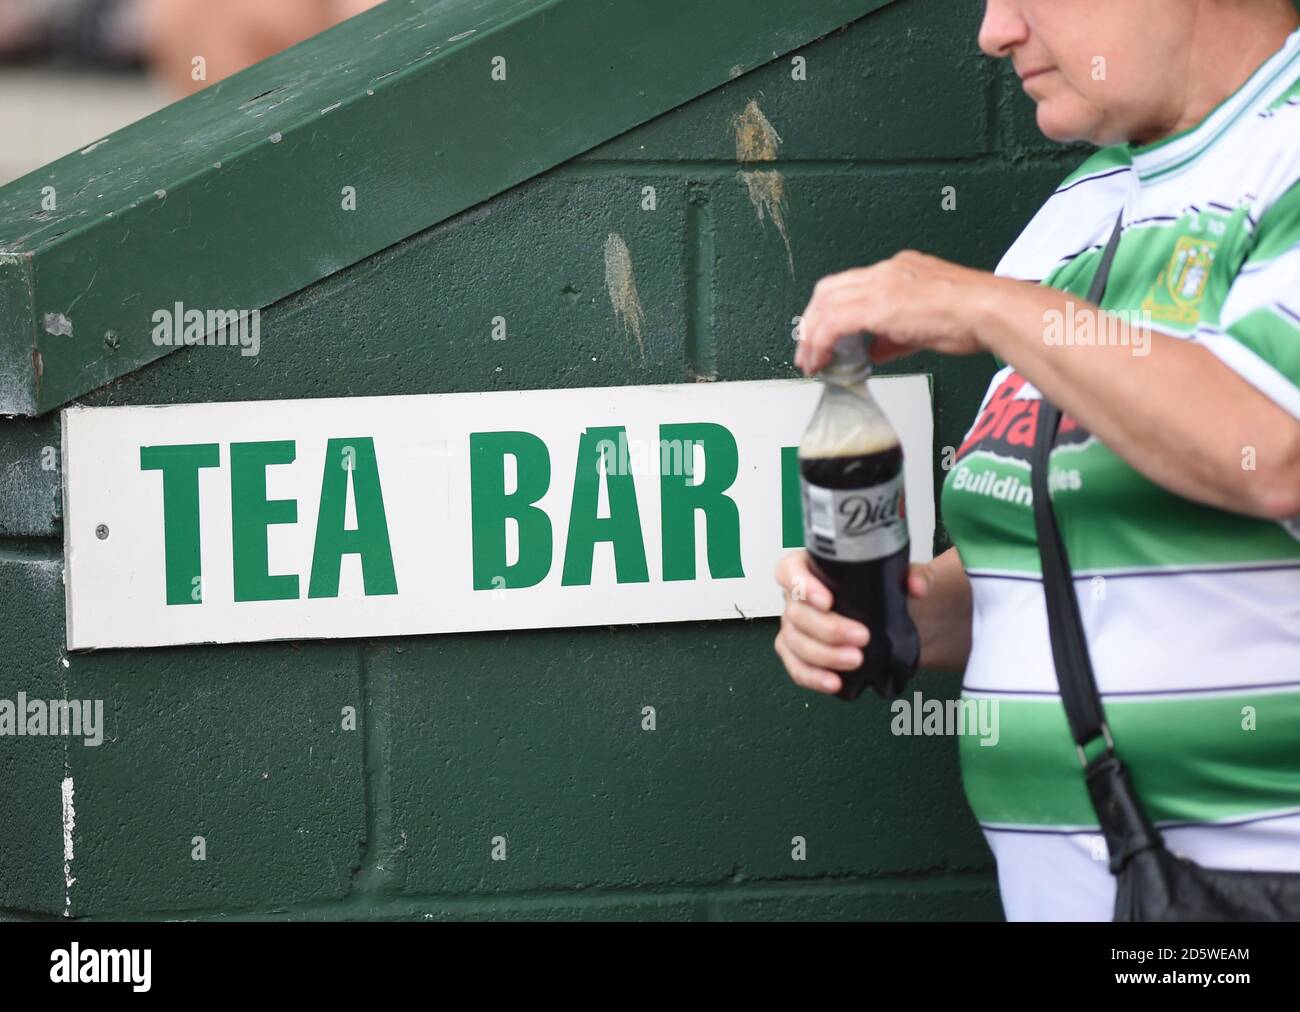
column 69, row 827
column 757, row 141
column 622, row 288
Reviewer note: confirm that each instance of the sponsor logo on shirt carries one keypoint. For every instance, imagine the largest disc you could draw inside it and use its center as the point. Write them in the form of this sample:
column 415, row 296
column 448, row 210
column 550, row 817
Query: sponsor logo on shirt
column 1008, row 423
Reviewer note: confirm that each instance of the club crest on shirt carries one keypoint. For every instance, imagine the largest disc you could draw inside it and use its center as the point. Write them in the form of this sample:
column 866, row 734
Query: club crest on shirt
column 1179, row 290
column 1008, row 423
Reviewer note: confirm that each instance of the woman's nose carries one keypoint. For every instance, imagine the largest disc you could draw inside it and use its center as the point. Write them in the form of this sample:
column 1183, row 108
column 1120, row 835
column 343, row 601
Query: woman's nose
column 1003, row 28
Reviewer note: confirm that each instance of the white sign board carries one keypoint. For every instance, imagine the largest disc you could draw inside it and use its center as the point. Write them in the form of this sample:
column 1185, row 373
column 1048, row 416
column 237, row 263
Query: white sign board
column 382, row 516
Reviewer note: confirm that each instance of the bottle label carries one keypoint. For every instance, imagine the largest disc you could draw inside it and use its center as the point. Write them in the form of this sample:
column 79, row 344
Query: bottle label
column 855, row 524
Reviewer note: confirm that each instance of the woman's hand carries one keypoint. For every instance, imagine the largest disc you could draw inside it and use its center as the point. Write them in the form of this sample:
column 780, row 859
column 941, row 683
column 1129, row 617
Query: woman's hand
column 814, row 642
column 910, row 302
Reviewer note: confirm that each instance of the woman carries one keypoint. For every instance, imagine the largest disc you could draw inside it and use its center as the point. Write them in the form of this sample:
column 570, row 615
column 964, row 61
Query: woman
column 1176, row 474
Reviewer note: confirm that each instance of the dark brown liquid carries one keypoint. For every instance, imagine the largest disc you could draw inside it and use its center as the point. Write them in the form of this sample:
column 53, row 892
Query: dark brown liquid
column 873, row 592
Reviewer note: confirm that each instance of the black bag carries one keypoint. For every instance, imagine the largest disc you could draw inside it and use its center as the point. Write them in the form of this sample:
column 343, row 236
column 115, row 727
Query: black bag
column 1152, row 884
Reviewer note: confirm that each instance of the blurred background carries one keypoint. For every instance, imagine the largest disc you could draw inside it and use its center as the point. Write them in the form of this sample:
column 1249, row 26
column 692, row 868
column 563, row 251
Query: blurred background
column 72, row 71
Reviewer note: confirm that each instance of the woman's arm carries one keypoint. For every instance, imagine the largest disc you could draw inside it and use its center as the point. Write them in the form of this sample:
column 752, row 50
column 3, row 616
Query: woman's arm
column 940, row 605
column 1177, row 414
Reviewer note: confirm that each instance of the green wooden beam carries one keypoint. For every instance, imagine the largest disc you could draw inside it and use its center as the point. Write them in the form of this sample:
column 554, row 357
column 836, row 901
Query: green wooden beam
column 233, row 198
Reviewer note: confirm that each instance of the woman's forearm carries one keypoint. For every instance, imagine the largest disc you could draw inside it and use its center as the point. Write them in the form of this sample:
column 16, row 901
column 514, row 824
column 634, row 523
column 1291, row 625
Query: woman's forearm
column 1175, row 413
column 943, row 615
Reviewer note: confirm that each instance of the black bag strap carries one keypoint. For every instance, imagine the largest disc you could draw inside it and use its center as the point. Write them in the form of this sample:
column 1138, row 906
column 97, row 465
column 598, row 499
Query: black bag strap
column 1123, row 821
column 1083, row 707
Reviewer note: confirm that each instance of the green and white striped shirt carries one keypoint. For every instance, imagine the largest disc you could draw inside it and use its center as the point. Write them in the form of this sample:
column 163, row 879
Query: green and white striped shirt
column 1192, row 613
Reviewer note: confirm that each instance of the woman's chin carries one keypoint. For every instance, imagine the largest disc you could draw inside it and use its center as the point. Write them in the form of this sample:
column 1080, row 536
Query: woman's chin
column 1065, row 125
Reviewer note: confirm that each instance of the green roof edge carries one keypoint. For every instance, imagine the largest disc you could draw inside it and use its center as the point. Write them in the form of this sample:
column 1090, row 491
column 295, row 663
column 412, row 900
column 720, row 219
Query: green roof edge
column 231, row 199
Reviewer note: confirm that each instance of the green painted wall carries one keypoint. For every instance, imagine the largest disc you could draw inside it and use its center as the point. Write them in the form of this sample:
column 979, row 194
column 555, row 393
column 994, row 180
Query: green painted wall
column 536, row 735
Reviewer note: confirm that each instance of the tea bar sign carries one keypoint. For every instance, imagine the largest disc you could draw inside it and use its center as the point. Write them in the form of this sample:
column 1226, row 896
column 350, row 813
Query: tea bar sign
column 380, row 516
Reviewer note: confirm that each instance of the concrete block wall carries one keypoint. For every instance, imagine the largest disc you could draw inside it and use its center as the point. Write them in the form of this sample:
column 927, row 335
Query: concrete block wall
column 536, row 736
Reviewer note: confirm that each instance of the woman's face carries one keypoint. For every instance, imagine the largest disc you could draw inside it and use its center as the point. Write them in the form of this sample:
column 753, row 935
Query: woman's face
column 1104, row 71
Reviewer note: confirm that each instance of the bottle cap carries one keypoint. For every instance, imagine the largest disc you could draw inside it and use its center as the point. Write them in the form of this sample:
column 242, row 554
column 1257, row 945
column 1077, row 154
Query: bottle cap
column 850, row 354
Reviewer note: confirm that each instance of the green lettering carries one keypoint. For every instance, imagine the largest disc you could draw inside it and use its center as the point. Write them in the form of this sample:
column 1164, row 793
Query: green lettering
column 678, row 502
column 370, row 539
column 491, row 507
column 622, row 527
column 791, row 499
column 180, row 480
column 251, row 514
